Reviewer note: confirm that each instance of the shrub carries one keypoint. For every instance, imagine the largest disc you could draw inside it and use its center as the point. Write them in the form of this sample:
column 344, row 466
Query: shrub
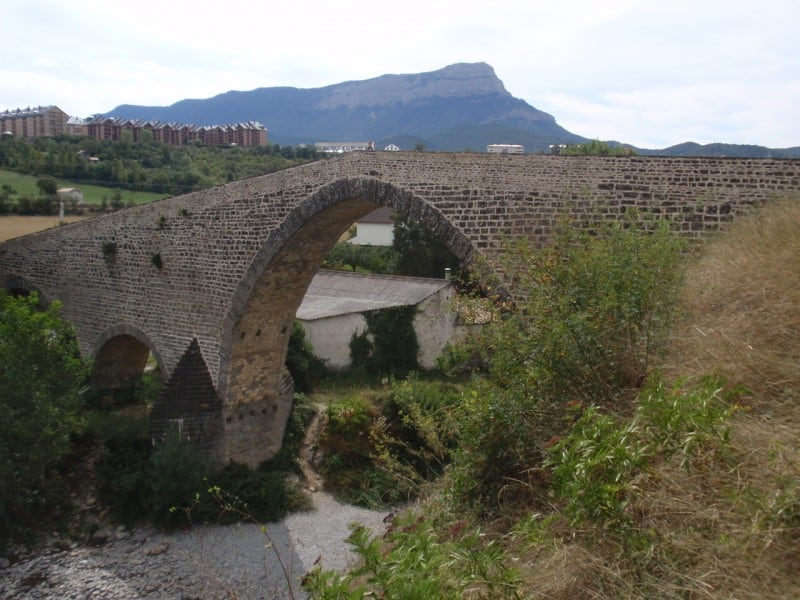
column 416, row 561
column 171, row 486
column 306, row 368
column 383, row 451
column 239, row 491
column 122, row 474
column 42, row 380
column 595, row 467
column 389, row 344
column 418, row 426
column 176, row 477
column 594, row 311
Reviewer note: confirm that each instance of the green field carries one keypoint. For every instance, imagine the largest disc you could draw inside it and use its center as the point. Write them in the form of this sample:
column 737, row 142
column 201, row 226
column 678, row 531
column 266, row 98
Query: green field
column 25, row 185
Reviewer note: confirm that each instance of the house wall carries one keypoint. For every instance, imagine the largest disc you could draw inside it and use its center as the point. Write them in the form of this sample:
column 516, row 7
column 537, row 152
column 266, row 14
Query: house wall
column 434, row 324
column 374, row 234
column 330, row 338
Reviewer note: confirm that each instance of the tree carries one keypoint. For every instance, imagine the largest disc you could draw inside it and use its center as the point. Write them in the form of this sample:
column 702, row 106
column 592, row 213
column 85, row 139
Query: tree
column 42, row 379
column 419, row 252
column 597, row 148
column 47, row 185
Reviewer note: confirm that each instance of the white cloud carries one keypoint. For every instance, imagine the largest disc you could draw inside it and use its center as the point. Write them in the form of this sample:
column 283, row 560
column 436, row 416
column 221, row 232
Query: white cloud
column 649, row 73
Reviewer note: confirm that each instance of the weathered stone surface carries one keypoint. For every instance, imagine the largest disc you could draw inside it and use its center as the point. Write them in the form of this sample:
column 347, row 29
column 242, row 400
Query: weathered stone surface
column 237, row 259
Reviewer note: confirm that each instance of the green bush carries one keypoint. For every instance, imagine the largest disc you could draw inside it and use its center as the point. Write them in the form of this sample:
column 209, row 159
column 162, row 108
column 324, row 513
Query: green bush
column 417, row 561
column 239, row 491
column 122, row 474
column 171, row 486
column 419, row 426
column 41, row 393
column 389, row 344
column 382, row 452
column 143, row 392
column 595, row 467
column 593, row 312
column 176, row 478
column 596, row 310
column 306, row 368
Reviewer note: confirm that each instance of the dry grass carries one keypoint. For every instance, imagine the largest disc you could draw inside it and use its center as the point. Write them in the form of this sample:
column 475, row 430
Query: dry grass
column 729, row 527
column 15, row 226
column 742, row 301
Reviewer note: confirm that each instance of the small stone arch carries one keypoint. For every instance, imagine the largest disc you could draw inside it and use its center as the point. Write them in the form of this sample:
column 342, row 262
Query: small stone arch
column 120, row 355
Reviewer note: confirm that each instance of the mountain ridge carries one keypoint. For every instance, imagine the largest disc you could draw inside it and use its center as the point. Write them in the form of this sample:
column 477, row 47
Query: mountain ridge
column 463, row 106
column 459, row 107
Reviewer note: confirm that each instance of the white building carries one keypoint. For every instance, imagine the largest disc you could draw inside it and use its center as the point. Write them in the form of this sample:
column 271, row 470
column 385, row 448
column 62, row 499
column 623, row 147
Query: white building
column 505, row 149
column 334, row 306
column 73, row 195
column 375, row 228
column 341, row 147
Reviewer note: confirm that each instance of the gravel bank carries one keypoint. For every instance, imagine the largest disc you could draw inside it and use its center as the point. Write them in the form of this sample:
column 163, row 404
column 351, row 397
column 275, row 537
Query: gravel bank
column 209, row 562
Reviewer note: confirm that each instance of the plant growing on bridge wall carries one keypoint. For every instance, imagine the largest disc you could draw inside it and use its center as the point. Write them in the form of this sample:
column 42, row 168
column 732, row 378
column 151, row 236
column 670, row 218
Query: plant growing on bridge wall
column 158, row 263
column 109, row 250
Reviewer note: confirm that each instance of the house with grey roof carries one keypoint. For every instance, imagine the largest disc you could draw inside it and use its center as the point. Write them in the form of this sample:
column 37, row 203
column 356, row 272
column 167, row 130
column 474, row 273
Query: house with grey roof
column 334, row 306
column 375, row 228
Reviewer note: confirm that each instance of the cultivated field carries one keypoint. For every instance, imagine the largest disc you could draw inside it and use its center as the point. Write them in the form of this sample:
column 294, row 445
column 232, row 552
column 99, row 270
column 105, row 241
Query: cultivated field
column 15, row 226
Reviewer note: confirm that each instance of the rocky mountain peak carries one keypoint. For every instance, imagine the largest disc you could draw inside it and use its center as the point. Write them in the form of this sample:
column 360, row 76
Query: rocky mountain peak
column 454, row 81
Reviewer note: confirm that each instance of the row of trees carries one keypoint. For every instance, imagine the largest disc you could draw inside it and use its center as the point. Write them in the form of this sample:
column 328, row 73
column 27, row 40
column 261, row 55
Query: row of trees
column 145, row 166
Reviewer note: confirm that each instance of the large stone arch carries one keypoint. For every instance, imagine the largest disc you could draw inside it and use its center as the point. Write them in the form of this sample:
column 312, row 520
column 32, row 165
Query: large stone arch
column 258, row 325
column 119, row 356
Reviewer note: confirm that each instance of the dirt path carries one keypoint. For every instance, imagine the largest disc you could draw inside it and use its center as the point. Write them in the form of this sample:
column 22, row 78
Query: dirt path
column 309, row 458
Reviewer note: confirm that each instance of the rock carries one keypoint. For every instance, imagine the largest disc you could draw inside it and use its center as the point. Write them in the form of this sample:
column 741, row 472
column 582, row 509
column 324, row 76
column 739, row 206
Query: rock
column 156, row 549
column 121, row 533
column 4, row 563
column 140, row 537
column 100, row 537
column 63, row 545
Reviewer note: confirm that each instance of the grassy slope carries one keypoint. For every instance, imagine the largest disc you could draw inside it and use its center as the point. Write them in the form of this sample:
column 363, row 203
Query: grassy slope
column 729, row 527
column 93, row 194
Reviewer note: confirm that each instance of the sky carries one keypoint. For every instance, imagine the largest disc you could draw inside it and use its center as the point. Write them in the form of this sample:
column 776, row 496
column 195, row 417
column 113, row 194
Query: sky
column 652, row 73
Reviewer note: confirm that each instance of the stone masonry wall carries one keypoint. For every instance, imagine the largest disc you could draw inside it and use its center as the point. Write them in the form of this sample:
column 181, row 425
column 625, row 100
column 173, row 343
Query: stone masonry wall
column 236, row 260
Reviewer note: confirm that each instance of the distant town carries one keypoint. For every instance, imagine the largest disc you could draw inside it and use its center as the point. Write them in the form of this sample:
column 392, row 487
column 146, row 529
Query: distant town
column 51, row 121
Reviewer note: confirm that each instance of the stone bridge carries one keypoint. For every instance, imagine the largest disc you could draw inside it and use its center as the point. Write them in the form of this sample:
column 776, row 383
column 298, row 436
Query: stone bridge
column 209, row 282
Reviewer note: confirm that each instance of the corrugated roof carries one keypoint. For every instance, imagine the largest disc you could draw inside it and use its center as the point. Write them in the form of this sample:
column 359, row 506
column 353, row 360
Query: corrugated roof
column 334, row 293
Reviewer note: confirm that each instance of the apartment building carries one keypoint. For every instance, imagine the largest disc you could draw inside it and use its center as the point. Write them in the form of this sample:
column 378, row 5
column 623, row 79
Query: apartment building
column 251, row 133
column 42, row 121
column 49, row 121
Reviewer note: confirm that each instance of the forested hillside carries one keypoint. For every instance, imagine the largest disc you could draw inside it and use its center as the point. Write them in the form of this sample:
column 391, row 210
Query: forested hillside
column 145, row 165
